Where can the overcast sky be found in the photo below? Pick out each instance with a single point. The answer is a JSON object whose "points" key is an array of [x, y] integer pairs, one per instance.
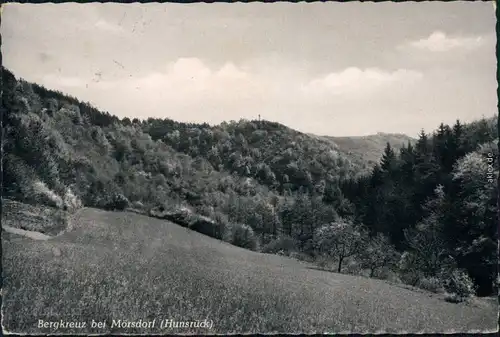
{"points": [[336, 69]]}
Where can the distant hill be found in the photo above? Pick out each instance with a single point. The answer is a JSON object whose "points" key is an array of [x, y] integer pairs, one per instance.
{"points": [[370, 148], [274, 154]]}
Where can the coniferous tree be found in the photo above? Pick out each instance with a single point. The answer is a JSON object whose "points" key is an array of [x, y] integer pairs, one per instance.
{"points": [[388, 162]]}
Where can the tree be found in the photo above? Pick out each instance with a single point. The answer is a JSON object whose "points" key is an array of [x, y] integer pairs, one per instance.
{"points": [[126, 121], [338, 240], [426, 172], [458, 143], [427, 241], [320, 187], [474, 230], [373, 205], [460, 285], [242, 235], [286, 213], [388, 161], [378, 254]]}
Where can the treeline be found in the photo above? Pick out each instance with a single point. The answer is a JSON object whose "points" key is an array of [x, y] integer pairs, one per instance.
{"points": [[263, 186], [274, 155], [437, 199]]}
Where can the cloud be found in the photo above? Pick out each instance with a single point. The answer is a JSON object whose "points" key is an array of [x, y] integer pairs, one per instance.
{"points": [[108, 26], [354, 81], [188, 75], [192, 78], [55, 81], [440, 42], [188, 88], [186, 83]]}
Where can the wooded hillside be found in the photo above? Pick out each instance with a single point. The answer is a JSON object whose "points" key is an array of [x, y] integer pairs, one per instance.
{"points": [[265, 186]]}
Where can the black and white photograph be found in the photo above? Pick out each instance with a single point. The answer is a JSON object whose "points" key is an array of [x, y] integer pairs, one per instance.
{"points": [[249, 168]]}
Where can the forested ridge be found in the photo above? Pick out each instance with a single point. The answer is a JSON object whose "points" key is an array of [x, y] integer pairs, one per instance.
{"points": [[370, 148], [426, 212]]}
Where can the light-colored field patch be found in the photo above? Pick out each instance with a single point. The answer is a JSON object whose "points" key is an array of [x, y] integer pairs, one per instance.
{"points": [[29, 234]]}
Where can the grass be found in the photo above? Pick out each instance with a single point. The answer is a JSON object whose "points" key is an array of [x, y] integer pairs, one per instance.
{"points": [[127, 266], [43, 219]]}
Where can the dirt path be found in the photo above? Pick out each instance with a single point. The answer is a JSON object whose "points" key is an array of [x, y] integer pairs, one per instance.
{"points": [[29, 234]]}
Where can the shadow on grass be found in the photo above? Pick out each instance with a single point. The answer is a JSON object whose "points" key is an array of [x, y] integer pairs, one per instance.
{"points": [[399, 285], [323, 269]]}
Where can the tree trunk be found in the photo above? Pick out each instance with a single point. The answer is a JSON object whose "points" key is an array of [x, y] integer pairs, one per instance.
{"points": [[340, 265]]}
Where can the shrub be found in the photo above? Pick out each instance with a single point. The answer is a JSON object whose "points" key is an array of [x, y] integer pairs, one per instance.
{"points": [[353, 267], [71, 201], [266, 238], [180, 215], [222, 224], [409, 269], [46, 195], [459, 285], [389, 275], [496, 283], [284, 243], [118, 202], [432, 284], [452, 298], [138, 205], [205, 210], [206, 226], [324, 262], [300, 256], [185, 217], [242, 235], [221, 218]]}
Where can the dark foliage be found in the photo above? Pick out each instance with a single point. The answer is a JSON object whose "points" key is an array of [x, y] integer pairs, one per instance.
{"points": [[442, 191]]}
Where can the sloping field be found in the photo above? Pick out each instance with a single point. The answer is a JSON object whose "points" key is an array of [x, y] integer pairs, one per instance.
{"points": [[113, 266]]}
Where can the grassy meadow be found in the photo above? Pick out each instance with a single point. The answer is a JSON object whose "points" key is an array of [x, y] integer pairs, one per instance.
{"points": [[121, 265]]}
